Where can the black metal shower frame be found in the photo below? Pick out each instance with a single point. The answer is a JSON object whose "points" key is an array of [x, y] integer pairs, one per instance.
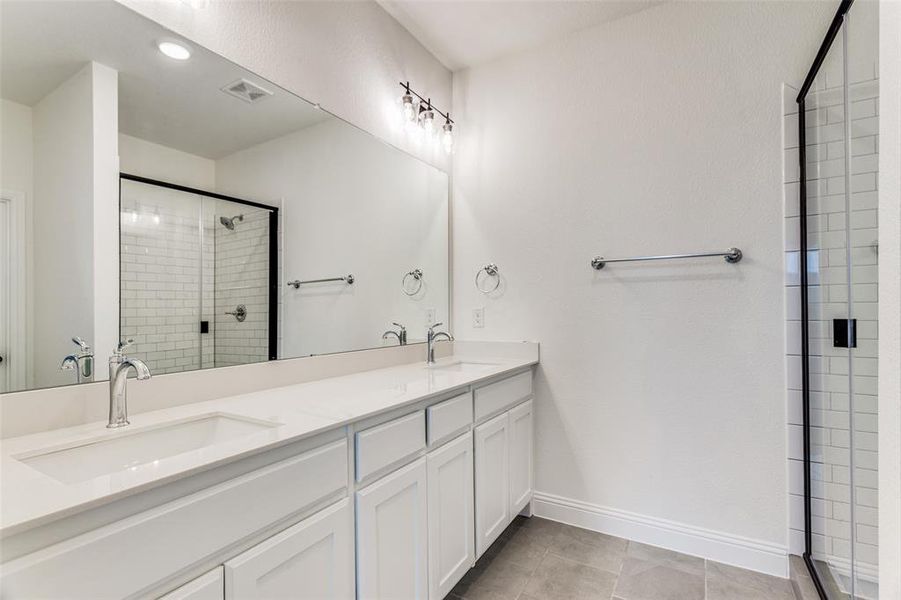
{"points": [[273, 244], [834, 28]]}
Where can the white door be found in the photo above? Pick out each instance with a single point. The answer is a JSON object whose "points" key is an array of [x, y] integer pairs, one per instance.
{"points": [[520, 457], [392, 536], [210, 586], [309, 561], [451, 525], [492, 480], [13, 370], [4, 295]]}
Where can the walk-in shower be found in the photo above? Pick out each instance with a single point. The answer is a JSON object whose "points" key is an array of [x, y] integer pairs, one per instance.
{"points": [[198, 276], [838, 143]]}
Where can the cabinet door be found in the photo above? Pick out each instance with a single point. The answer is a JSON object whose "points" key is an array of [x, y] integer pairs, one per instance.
{"points": [[520, 456], [311, 560], [392, 536], [492, 480], [210, 586], [451, 526]]}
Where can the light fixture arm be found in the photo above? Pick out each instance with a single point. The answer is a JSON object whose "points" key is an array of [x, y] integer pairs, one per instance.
{"points": [[428, 101]]}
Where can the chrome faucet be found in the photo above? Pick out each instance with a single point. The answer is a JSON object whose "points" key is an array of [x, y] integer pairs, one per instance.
{"points": [[82, 362], [431, 338], [119, 365], [400, 335]]}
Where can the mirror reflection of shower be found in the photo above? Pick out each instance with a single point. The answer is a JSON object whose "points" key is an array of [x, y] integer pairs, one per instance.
{"points": [[229, 222]]}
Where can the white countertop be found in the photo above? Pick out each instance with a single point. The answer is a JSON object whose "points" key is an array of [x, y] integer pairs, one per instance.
{"points": [[29, 498]]}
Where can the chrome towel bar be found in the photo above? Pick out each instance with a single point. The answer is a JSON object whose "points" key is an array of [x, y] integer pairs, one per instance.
{"points": [[731, 255], [348, 279]]}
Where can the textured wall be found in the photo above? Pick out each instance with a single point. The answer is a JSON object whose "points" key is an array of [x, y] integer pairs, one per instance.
{"points": [[661, 386]]}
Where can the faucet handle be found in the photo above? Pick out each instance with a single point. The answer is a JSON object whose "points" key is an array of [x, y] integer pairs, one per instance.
{"points": [[395, 323], [85, 347], [121, 346]]}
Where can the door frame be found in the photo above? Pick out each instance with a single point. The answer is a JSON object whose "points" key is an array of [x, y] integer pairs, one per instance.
{"points": [[835, 27], [16, 291]]}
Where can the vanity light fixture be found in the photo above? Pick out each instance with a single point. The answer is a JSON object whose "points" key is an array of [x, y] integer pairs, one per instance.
{"points": [[418, 110], [174, 50]]}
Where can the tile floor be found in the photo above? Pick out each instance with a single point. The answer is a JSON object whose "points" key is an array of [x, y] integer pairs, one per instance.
{"points": [[537, 559]]}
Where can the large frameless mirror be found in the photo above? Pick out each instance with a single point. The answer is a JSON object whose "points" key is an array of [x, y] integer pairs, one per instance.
{"points": [[154, 191]]}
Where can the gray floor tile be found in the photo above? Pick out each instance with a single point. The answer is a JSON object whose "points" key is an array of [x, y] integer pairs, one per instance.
{"points": [[517, 550], [535, 530], [801, 580], [725, 582], [493, 578], [666, 579], [589, 548], [668, 558], [560, 579]]}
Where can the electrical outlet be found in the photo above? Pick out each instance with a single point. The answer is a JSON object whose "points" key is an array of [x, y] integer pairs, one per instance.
{"points": [[431, 316], [478, 317]]}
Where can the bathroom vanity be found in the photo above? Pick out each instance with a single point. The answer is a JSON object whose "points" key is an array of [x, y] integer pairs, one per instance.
{"points": [[382, 484]]}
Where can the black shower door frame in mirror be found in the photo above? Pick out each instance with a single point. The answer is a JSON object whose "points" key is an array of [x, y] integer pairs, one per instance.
{"points": [[271, 249], [838, 256]]}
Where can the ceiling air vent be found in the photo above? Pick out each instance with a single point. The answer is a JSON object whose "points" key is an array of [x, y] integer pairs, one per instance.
{"points": [[246, 91]]}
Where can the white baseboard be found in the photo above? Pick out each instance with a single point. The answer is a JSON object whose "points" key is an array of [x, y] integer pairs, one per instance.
{"points": [[747, 553]]}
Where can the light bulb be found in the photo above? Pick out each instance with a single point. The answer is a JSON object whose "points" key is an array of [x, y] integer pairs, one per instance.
{"points": [[447, 138], [427, 119], [409, 109]]}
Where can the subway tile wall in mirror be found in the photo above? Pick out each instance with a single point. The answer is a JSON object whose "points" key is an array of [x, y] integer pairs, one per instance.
{"points": [[173, 199]]}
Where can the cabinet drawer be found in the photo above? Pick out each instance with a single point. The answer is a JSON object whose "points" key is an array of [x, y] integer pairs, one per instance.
{"points": [[123, 558], [379, 446], [496, 397], [449, 417]]}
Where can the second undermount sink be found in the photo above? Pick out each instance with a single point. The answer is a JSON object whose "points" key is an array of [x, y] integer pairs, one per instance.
{"points": [[461, 366], [131, 450]]}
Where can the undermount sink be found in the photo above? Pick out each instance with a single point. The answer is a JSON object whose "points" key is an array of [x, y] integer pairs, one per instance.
{"points": [[129, 451], [460, 366]]}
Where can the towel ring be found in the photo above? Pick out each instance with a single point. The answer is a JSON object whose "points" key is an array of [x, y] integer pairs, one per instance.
{"points": [[490, 271], [416, 274]]}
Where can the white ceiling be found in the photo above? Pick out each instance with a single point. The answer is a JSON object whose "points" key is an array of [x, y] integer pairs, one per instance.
{"points": [[176, 104], [465, 33]]}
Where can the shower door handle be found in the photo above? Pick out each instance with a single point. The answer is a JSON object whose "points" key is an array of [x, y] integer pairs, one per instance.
{"points": [[240, 313]]}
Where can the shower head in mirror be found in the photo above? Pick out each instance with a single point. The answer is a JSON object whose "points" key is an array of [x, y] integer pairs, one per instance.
{"points": [[229, 222]]}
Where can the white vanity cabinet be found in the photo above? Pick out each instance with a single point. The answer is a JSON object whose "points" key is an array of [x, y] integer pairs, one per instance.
{"points": [[392, 536], [492, 477], [520, 423], [308, 561], [395, 506], [210, 586], [451, 516], [503, 455]]}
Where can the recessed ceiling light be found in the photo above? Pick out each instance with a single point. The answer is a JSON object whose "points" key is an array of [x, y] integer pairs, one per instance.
{"points": [[174, 50]]}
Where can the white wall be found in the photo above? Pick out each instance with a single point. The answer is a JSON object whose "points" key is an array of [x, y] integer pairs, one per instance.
{"points": [[890, 300], [347, 56], [349, 204], [146, 159], [17, 175], [75, 195], [660, 391]]}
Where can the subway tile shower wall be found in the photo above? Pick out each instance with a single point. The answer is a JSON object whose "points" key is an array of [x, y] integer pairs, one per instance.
{"points": [[162, 272], [179, 267], [242, 277], [831, 417]]}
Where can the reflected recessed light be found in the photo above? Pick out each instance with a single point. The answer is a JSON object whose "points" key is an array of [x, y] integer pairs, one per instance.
{"points": [[174, 50]]}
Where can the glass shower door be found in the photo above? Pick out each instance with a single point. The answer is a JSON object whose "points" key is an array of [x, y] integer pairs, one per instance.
{"points": [[839, 233], [197, 277]]}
